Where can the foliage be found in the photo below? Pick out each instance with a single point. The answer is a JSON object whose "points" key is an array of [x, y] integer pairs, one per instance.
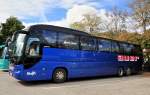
{"points": [[11, 25], [146, 39], [78, 26], [117, 20], [141, 12]]}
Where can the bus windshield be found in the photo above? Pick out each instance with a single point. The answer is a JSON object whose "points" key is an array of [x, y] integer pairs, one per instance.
{"points": [[19, 44], [5, 53]]}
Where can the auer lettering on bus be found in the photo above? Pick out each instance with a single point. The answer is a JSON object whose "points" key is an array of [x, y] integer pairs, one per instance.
{"points": [[127, 58]]}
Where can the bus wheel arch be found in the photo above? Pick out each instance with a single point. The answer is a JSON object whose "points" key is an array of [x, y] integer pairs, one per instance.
{"points": [[60, 75]]}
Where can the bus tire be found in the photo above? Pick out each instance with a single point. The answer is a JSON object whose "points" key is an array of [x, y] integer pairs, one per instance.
{"points": [[128, 71], [59, 75], [120, 72]]}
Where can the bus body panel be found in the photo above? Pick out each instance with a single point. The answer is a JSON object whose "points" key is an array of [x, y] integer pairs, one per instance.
{"points": [[78, 64], [94, 56]]}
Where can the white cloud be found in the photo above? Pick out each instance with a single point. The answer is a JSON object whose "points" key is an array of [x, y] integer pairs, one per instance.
{"points": [[70, 3], [34, 7], [73, 14], [23, 8], [62, 23], [77, 12], [28, 9]]}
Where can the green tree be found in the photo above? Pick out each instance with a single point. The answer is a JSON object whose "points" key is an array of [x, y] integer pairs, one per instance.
{"points": [[146, 39], [132, 37], [11, 25], [78, 26], [146, 44]]}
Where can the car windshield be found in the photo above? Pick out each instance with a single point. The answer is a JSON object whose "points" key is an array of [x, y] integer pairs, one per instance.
{"points": [[19, 44]]}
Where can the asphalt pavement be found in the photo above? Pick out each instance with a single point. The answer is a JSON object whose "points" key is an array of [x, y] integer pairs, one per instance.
{"points": [[128, 85]]}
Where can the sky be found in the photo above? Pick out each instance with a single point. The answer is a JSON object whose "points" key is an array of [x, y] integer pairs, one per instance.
{"points": [[56, 12]]}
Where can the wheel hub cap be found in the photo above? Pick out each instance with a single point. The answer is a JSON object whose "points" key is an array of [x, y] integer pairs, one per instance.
{"points": [[59, 75]]}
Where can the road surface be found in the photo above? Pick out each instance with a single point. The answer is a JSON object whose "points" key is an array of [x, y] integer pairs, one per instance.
{"points": [[131, 85]]}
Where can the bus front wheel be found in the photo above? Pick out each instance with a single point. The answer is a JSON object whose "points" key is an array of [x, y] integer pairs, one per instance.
{"points": [[120, 72], [59, 75]]}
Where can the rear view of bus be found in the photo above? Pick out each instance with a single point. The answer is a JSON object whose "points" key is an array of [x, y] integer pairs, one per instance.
{"points": [[45, 52]]}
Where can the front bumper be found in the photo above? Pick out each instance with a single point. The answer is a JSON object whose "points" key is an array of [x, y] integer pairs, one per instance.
{"points": [[16, 71], [32, 74]]}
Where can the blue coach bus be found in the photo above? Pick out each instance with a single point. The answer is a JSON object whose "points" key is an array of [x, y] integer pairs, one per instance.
{"points": [[46, 52]]}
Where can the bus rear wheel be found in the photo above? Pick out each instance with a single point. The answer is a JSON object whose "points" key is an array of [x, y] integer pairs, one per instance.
{"points": [[120, 72], [128, 71], [59, 75]]}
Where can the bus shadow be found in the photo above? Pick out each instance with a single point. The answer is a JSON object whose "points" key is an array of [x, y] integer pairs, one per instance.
{"points": [[35, 83], [102, 78], [92, 78], [75, 80]]}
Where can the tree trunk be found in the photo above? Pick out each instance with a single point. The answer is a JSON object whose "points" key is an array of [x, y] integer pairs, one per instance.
{"points": [[144, 26]]}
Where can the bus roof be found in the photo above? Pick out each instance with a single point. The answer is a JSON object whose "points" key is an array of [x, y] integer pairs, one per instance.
{"points": [[57, 28], [67, 30]]}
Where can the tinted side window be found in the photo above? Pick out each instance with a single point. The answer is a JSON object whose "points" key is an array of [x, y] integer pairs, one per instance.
{"points": [[115, 46], [126, 48], [88, 43], [69, 41], [121, 49], [129, 49], [104, 45], [50, 37], [136, 50]]}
